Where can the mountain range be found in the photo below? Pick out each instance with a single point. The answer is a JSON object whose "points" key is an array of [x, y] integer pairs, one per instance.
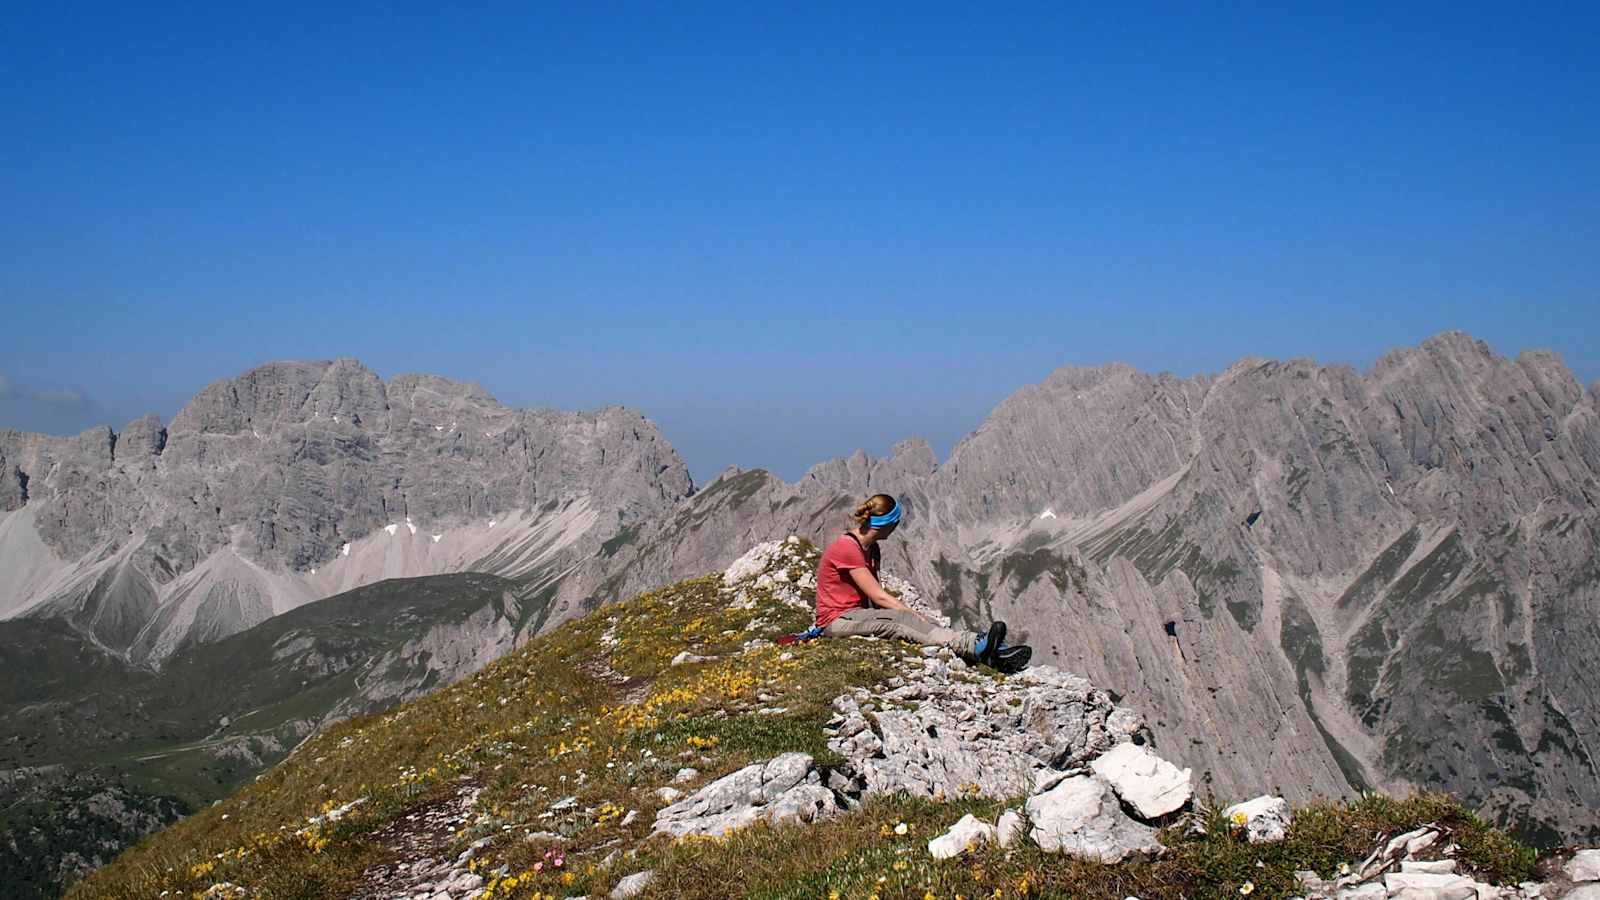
{"points": [[297, 481], [1384, 578]]}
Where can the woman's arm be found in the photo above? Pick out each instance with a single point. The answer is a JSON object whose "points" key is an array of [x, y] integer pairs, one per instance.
{"points": [[868, 583]]}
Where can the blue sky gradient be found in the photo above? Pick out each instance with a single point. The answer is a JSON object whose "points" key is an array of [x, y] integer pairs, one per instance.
{"points": [[781, 238]]}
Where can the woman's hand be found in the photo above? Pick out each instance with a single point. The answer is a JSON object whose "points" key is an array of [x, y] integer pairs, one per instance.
{"points": [[868, 584]]}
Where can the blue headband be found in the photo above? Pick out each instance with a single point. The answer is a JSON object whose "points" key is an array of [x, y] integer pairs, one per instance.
{"points": [[888, 518]]}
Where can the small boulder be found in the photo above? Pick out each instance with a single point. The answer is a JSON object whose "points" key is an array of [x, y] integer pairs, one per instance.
{"points": [[633, 885], [1081, 816], [1430, 885], [1584, 866], [1145, 781], [1009, 830], [1264, 819], [962, 836]]}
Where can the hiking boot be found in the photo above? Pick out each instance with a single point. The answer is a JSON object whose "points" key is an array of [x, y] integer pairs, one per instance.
{"points": [[1011, 660], [992, 642]]}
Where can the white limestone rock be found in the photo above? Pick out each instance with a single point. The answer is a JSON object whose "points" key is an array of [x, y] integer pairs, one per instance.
{"points": [[780, 790], [1412, 842], [633, 885], [1430, 886], [1265, 818], [966, 834], [1081, 816], [1045, 779], [1145, 781], [940, 735], [1431, 867], [1010, 829], [1584, 866]]}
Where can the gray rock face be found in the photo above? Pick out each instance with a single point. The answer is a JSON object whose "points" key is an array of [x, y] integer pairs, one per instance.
{"points": [[1383, 578], [1081, 816], [297, 481], [939, 735], [784, 789]]}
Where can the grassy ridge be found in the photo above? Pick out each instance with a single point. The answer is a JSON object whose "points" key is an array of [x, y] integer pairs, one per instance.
{"points": [[580, 726]]}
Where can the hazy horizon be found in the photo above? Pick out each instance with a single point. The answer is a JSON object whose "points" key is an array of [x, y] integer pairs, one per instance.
{"points": [[70, 403]]}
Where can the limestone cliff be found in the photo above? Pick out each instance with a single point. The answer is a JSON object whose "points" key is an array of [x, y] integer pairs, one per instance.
{"points": [[297, 481], [1382, 577]]}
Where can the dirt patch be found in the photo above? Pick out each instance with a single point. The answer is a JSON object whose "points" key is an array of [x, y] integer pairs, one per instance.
{"points": [[419, 849], [630, 689]]}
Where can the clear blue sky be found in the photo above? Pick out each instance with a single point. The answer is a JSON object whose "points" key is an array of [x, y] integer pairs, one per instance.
{"points": [[780, 237]]}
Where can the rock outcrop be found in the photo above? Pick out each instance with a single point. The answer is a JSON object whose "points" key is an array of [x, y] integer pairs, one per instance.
{"points": [[938, 734], [1036, 735], [1420, 865], [787, 788]]}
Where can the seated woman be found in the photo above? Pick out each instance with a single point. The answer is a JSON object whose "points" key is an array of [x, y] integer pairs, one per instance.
{"points": [[851, 601]]}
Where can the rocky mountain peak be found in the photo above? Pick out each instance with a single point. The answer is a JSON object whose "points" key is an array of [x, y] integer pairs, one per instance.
{"points": [[296, 480], [1333, 557]]}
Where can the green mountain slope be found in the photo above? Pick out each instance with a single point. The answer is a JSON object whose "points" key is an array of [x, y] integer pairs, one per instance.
{"points": [[541, 776], [95, 752]]}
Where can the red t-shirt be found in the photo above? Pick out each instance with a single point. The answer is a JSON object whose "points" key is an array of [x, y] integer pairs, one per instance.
{"points": [[836, 593]]}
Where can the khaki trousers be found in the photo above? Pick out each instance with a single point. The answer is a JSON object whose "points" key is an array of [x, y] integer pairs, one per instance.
{"points": [[903, 624]]}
